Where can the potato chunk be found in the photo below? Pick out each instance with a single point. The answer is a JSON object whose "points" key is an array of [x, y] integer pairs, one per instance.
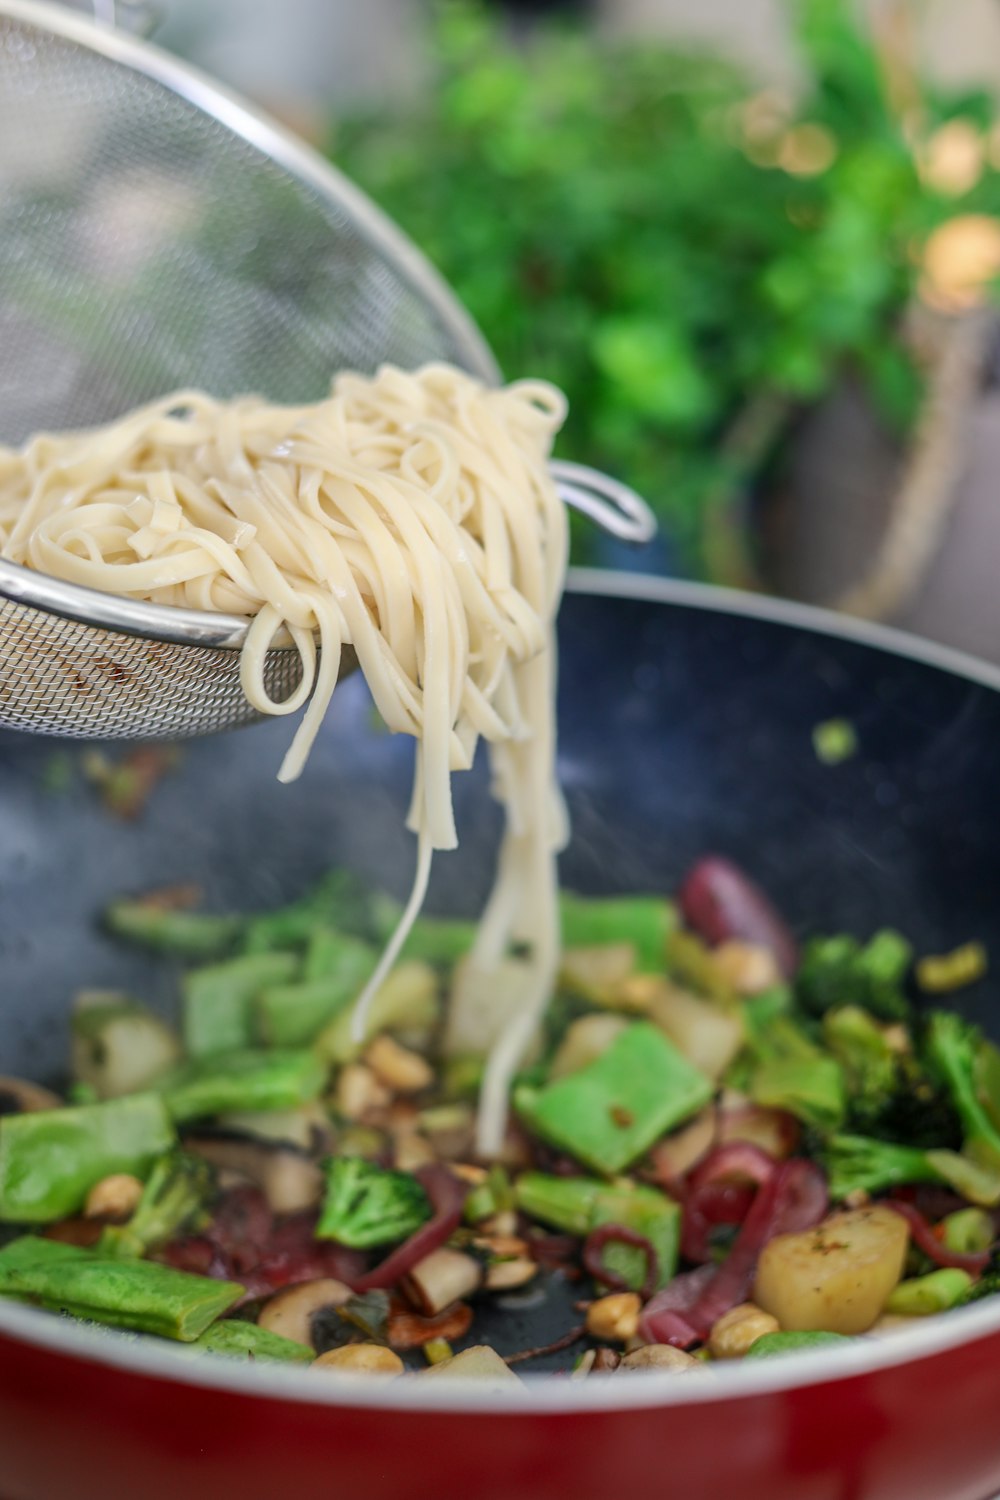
{"points": [[837, 1276]]}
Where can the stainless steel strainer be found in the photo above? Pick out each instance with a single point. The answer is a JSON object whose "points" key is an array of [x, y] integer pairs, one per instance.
{"points": [[156, 233]]}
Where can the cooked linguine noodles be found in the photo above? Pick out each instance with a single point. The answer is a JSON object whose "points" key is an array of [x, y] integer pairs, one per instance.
{"points": [[411, 517]]}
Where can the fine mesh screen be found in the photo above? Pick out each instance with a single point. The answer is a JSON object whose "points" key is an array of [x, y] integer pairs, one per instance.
{"points": [[145, 245]]}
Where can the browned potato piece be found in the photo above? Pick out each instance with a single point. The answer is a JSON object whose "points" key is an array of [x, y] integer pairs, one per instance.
{"points": [[836, 1277]]}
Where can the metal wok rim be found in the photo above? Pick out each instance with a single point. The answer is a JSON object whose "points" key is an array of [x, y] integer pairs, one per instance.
{"points": [[541, 1394]]}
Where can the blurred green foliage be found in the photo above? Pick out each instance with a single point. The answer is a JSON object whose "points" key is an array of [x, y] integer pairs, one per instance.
{"points": [[689, 259]]}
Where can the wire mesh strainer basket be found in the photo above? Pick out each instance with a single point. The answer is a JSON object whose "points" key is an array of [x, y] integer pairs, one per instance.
{"points": [[155, 234]]}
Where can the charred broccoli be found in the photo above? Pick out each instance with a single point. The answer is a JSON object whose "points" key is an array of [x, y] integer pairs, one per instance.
{"points": [[837, 971], [368, 1205], [890, 1095]]}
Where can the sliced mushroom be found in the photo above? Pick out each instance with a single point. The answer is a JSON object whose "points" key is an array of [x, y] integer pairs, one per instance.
{"points": [[288, 1178], [441, 1278], [291, 1313], [19, 1097]]}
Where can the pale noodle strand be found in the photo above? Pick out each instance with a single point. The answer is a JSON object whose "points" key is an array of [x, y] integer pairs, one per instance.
{"points": [[411, 518]]}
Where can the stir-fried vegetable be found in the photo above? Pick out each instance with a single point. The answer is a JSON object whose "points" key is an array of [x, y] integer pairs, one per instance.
{"points": [[293, 1015], [218, 1000], [179, 1189], [236, 1339], [953, 1048], [241, 1080], [367, 1206], [51, 1159], [858, 1164], [717, 1150], [841, 971], [185, 934], [581, 1205], [119, 1047], [611, 1111], [126, 1294]]}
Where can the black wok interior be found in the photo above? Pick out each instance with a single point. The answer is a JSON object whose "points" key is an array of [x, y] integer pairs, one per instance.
{"points": [[682, 730]]}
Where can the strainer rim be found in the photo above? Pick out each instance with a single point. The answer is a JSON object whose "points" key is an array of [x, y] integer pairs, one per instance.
{"points": [[138, 617]]}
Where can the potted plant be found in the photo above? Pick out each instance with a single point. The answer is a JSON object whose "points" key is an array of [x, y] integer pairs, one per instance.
{"points": [[701, 265]]}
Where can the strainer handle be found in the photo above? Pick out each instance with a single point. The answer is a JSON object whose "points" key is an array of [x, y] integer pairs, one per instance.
{"points": [[611, 505]]}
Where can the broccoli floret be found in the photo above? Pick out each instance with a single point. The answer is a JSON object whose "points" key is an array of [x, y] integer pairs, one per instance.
{"points": [[890, 1095], [952, 1048], [860, 1045], [856, 1162], [178, 1190], [989, 1282], [913, 1110], [368, 1205], [837, 971]]}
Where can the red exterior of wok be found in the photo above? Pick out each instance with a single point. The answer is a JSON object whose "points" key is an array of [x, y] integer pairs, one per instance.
{"points": [[73, 1430]]}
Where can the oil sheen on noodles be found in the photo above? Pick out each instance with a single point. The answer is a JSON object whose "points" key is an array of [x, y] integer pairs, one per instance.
{"points": [[411, 516]]}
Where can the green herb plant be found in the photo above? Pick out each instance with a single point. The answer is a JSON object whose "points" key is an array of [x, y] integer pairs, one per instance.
{"points": [[692, 260]]}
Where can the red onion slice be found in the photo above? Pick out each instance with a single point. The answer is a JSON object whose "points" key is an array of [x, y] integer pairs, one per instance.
{"points": [[714, 1204], [795, 1198], [664, 1318], [719, 902], [735, 1160], [926, 1239], [618, 1234]]}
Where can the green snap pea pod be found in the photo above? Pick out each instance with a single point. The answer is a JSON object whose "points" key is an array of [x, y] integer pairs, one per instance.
{"points": [[293, 1015], [245, 1080], [644, 921], [812, 1089], [440, 941], [611, 1111], [968, 1230], [137, 1294], [790, 1343], [407, 999], [186, 934], [217, 1000], [49, 1160], [239, 1340], [31, 1250], [579, 1204], [337, 901], [330, 953], [936, 1292]]}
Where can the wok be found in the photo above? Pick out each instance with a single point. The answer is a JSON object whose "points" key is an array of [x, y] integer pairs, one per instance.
{"points": [[686, 719]]}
